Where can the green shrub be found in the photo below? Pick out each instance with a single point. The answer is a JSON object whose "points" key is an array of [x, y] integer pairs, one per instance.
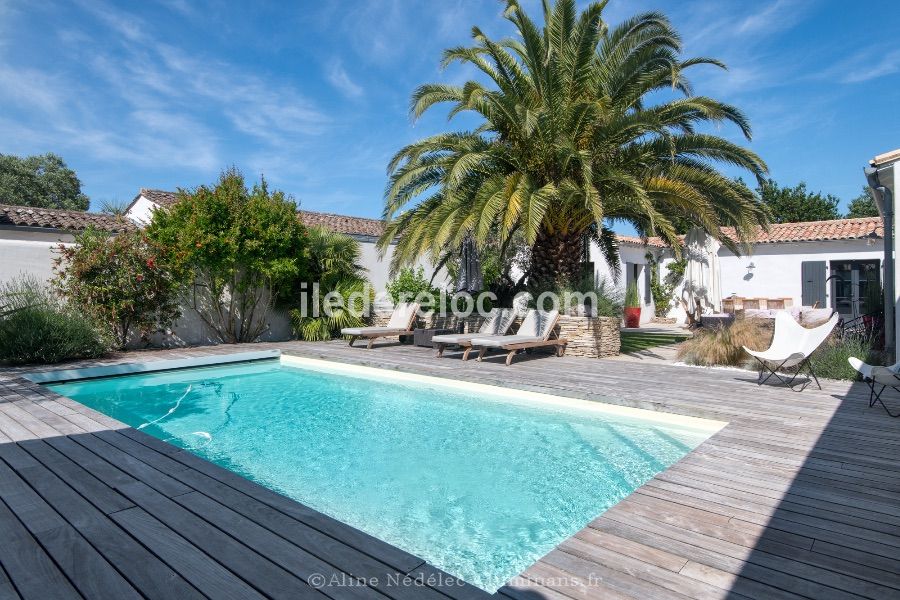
{"points": [[723, 346], [632, 297], [830, 360], [601, 299], [35, 327], [409, 285], [334, 266]]}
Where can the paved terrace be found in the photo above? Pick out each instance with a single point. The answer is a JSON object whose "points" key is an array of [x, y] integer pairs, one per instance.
{"points": [[798, 497]]}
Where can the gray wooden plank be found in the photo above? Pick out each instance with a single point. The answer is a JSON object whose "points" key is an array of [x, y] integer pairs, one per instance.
{"points": [[811, 483], [447, 584], [7, 589], [254, 568], [158, 461], [99, 494], [301, 563], [99, 468], [382, 551], [31, 570], [347, 558], [148, 574], [85, 568], [12, 430], [134, 467], [200, 570]]}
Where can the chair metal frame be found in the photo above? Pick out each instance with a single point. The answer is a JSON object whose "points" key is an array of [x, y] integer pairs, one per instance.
{"points": [[875, 397], [788, 382]]}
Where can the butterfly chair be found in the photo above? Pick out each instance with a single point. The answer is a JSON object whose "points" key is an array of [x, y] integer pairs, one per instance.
{"points": [[791, 346], [886, 377]]}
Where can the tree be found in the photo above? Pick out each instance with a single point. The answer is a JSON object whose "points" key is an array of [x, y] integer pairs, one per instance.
{"points": [[237, 250], [795, 204], [123, 281], [577, 130], [42, 181], [862, 206], [115, 208], [334, 265]]}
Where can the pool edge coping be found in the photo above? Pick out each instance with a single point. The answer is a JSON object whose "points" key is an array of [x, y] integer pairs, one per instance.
{"points": [[133, 368], [706, 425]]}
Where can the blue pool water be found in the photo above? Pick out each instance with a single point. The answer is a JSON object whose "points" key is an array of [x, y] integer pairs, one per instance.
{"points": [[480, 487]]}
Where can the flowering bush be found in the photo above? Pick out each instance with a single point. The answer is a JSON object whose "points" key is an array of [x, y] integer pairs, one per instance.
{"points": [[237, 250], [121, 280]]}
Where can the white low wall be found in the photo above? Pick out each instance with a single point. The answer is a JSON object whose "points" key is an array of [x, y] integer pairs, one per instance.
{"points": [[28, 252], [32, 252]]}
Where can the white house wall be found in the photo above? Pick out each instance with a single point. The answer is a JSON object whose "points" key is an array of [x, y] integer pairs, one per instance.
{"points": [[777, 268], [141, 212], [32, 252], [628, 254], [777, 272]]}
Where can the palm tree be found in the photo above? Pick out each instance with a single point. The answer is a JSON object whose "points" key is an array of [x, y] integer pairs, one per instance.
{"points": [[334, 264], [570, 142]]}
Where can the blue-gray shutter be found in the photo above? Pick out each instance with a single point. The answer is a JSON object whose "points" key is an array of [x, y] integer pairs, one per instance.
{"points": [[648, 296], [813, 289]]}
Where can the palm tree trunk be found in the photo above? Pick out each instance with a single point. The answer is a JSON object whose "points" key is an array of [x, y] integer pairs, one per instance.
{"points": [[556, 260]]}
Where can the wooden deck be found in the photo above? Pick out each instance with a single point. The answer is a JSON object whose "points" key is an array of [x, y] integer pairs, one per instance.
{"points": [[798, 497]]}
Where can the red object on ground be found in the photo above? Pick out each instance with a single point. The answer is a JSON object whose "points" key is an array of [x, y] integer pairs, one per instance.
{"points": [[633, 317]]}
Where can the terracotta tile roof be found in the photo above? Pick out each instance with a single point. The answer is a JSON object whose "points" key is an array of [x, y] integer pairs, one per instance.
{"points": [[809, 231], [815, 231], [893, 155], [342, 223], [631, 240], [55, 218], [159, 197], [339, 223]]}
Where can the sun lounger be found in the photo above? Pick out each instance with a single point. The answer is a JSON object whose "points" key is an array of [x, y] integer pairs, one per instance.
{"points": [[886, 377], [497, 323], [791, 346], [401, 323], [537, 331]]}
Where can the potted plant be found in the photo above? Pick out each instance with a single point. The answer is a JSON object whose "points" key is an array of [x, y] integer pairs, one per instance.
{"points": [[632, 306]]}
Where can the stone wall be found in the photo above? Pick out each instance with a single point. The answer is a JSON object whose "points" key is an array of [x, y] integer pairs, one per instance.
{"points": [[591, 337]]}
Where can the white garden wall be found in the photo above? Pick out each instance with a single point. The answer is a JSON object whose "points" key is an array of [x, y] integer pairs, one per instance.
{"points": [[29, 251], [26, 251]]}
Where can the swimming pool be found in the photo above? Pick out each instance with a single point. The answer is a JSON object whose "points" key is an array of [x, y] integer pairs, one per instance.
{"points": [[479, 481]]}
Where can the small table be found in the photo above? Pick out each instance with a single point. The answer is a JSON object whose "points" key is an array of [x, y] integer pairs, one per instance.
{"points": [[422, 337]]}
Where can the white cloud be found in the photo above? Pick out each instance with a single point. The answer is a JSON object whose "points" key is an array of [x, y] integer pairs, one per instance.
{"points": [[866, 66], [777, 16], [339, 78], [142, 101]]}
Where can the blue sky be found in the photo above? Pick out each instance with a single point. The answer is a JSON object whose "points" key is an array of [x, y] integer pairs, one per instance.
{"points": [[314, 94]]}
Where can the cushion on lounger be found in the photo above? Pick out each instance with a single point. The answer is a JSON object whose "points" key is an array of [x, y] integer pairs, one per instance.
{"points": [[402, 315], [503, 340]]}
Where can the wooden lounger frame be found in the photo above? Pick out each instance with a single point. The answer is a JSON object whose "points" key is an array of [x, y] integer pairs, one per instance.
{"points": [[374, 336], [514, 347], [388, 333], [467, 344]]}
